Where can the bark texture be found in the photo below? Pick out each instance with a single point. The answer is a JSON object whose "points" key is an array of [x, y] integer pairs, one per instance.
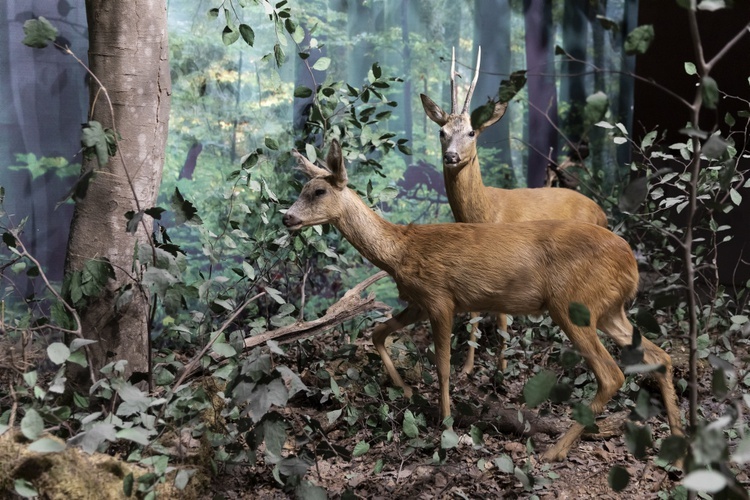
{"points": [[128, 52]]}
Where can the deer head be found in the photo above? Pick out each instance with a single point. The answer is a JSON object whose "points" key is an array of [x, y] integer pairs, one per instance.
{"points": [[458, 136], [322, 198]]}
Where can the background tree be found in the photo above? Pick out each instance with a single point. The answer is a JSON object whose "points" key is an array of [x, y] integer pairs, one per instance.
{"points": [[130, 59]]}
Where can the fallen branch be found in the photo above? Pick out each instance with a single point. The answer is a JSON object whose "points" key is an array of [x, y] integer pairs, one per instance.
{"points": [[351, 305]]}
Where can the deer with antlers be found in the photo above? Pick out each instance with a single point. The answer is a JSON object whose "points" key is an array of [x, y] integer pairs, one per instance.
{"points": [[472, 201], [526, 267]]}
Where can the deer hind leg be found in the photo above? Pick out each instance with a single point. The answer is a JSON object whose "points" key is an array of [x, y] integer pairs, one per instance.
{"points": [[442, 323], [469, 362], [620, 330], [502, 324], [410, 315], [502, 363], [608, 375]]}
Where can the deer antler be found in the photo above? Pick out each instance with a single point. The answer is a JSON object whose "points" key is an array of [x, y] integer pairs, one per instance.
{"points": [[454, 90], [473, 82]]}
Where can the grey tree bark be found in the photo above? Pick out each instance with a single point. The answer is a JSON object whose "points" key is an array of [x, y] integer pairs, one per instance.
{"points": [[128, 52]]}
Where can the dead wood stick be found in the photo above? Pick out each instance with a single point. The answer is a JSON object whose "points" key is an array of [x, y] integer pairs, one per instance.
{"points": [[351, 305]]}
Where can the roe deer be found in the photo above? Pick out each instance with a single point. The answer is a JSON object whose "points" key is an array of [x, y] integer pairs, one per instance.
{"points": [[523, 268], [472, 201]]}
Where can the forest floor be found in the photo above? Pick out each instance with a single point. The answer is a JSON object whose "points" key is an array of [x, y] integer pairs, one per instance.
{"points": [[506, 465]]}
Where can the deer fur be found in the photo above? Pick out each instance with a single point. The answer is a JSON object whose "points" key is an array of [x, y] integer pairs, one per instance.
{"points": [[445, 269], [472, 201]]}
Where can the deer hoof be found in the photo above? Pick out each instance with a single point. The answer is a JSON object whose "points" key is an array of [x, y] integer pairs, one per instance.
{"points": [[555, 455], [408, 392]]}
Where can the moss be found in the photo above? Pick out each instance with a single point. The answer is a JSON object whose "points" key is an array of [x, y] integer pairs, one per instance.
{"points": [[75, 474]]}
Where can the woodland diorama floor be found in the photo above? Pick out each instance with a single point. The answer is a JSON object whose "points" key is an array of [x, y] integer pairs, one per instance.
{"points": [[467, 471]]}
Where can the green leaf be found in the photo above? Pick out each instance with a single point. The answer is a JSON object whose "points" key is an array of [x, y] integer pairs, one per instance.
{"points": [[639, 40], [710, 92], [538, 388], [322, 64], [410, 425], [509, 88], [376, 71], [712, 5], [128, 481], [184, 211], [308, 491], [596, 108], [449, 439], [182, 478], [302, 91], [58, 353], [583, 415], [294, 466], [708, 481], [579, 314], [136, 434], [271, 144], [229, 36], [360, 449], [96, 141], [39, 33], [32, 425], [247, 33], [633, 195], [637, 439], [78, 343], [25, 488], [690, 69], [505, 464], [224, 350], [46, 445], [278, 54], [618, 478], [736, 196], [482, 114], [673, 448]]}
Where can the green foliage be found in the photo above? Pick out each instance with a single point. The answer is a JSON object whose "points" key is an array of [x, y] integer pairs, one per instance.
{"points": [[98, 142], [38, 33], [639, 40]]}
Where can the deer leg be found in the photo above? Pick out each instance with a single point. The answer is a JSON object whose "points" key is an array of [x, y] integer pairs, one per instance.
{"points": [[608, 375], [469, 362], [502, 363], [621, 331], [502, 324], [410, 315], [441, 323]]}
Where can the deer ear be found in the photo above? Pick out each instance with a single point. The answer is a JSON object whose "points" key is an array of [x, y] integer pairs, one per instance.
{"points": [[433, 111], [307, 167], [488, 114], [335, 162]]}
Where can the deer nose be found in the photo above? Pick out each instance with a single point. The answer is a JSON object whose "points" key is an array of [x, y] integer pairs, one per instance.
{"points": [[290, 220], [450, 157]]}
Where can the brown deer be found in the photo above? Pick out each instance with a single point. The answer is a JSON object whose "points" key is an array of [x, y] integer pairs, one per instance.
{"points": [[526, 267], [472, 201]]}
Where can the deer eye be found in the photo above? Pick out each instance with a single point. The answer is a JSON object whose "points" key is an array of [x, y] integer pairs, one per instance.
{"points": [[320, 192], [472, 133], [442, 134]]}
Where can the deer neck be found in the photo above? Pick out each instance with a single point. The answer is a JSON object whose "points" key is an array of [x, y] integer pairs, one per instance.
{"points": [[379, 241], [466, 193]]}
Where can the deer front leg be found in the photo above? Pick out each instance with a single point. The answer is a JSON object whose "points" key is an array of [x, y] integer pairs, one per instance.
{"points": [[410, 315], [502, 324], [442, 322]]}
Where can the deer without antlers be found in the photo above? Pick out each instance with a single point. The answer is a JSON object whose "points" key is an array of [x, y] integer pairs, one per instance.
{"points": [[444, 269], [472, 201]]}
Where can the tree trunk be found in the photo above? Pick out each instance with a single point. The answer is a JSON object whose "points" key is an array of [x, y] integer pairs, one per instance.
{"points": [[573, 77], [541, 87], [492, 24], [128, 53]]}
